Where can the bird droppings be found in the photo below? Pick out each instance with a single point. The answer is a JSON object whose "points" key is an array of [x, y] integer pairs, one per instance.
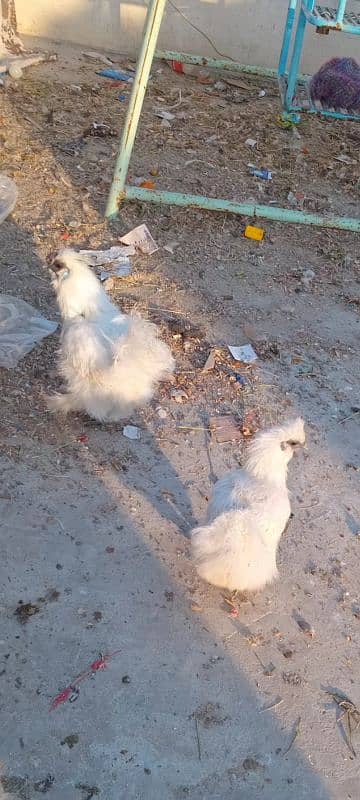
{"points": [[210, 714], [44, 785], [87, 791], [71, 740], [24, 611]]}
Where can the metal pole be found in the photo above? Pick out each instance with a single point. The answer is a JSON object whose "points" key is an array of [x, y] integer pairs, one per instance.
{"points": [[289, 25], [274, 213], [150, 36]]}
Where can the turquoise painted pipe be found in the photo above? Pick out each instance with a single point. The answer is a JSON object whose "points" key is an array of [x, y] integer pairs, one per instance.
{"points": [[274, 213], [215, 63]]}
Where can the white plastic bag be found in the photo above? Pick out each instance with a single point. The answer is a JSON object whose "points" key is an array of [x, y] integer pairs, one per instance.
{"points": [[8, 196], [21, 327]]}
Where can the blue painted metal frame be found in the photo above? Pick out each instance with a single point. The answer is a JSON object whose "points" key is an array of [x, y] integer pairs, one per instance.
{"points": [[292, 46]]}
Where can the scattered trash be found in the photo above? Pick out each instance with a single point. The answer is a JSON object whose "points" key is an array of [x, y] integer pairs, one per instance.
{"points": [[171, 247], [141, 239], [8, 196], [163, 114], [100, 130], [344, 159], [126, 679], [109, 550], [262, 93], [72, 690], [251, 142], [122, 97], [115, 260], [251, 232], [210, 361], [245, 353], [225, 428], [293, 736], [250, 424], [277, 702], [296, 199], [307, 277], [93, 55], [115, 74], [264, 174], [179, 395], [304, 626], [240, 379], [21, 328], [131, 432], [350, 712], [147, 185], [197, 71], [195, 607], [161, 412]]}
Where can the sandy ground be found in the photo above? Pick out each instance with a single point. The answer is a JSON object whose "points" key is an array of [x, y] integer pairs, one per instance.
{"points": [[199, 702]]}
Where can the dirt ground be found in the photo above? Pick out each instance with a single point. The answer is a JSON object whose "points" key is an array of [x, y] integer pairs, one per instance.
{"points": [[202, 701]]}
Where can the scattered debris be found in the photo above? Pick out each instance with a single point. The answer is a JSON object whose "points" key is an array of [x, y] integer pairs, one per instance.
{"points": [[72, 691], [126, 679], [21, 328], [195, 607], [304, 626], [131, 432], [251, 232], [100, 130], [197, 738], [264, 174], [277, 702], [115, 74], [293, 736], [115, 260], [171, 247], [210, 361], [269, 668], [225, 428], [245, 353], [350, 712], [251, 142], [8, 196], [179, 395], [93, 55], [163, 114], [141, 239], [44, 785], [307, 278]]}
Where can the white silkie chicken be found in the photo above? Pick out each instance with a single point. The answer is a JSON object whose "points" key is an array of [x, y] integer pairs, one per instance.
{"points": [[111, 362], [247, 513]]}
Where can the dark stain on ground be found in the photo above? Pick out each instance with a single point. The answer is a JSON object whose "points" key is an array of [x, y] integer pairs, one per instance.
{"points": [[24, 611], [70, 740], [88, 791], [210, 714], [20, 787]]}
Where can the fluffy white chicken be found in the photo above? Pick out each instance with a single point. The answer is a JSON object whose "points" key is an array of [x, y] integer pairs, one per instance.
{"points": [[247, 514], [111, 362]]}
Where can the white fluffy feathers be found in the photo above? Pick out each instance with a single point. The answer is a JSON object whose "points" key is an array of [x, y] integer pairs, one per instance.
{"points": [[247, 514], [111, 362]]}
